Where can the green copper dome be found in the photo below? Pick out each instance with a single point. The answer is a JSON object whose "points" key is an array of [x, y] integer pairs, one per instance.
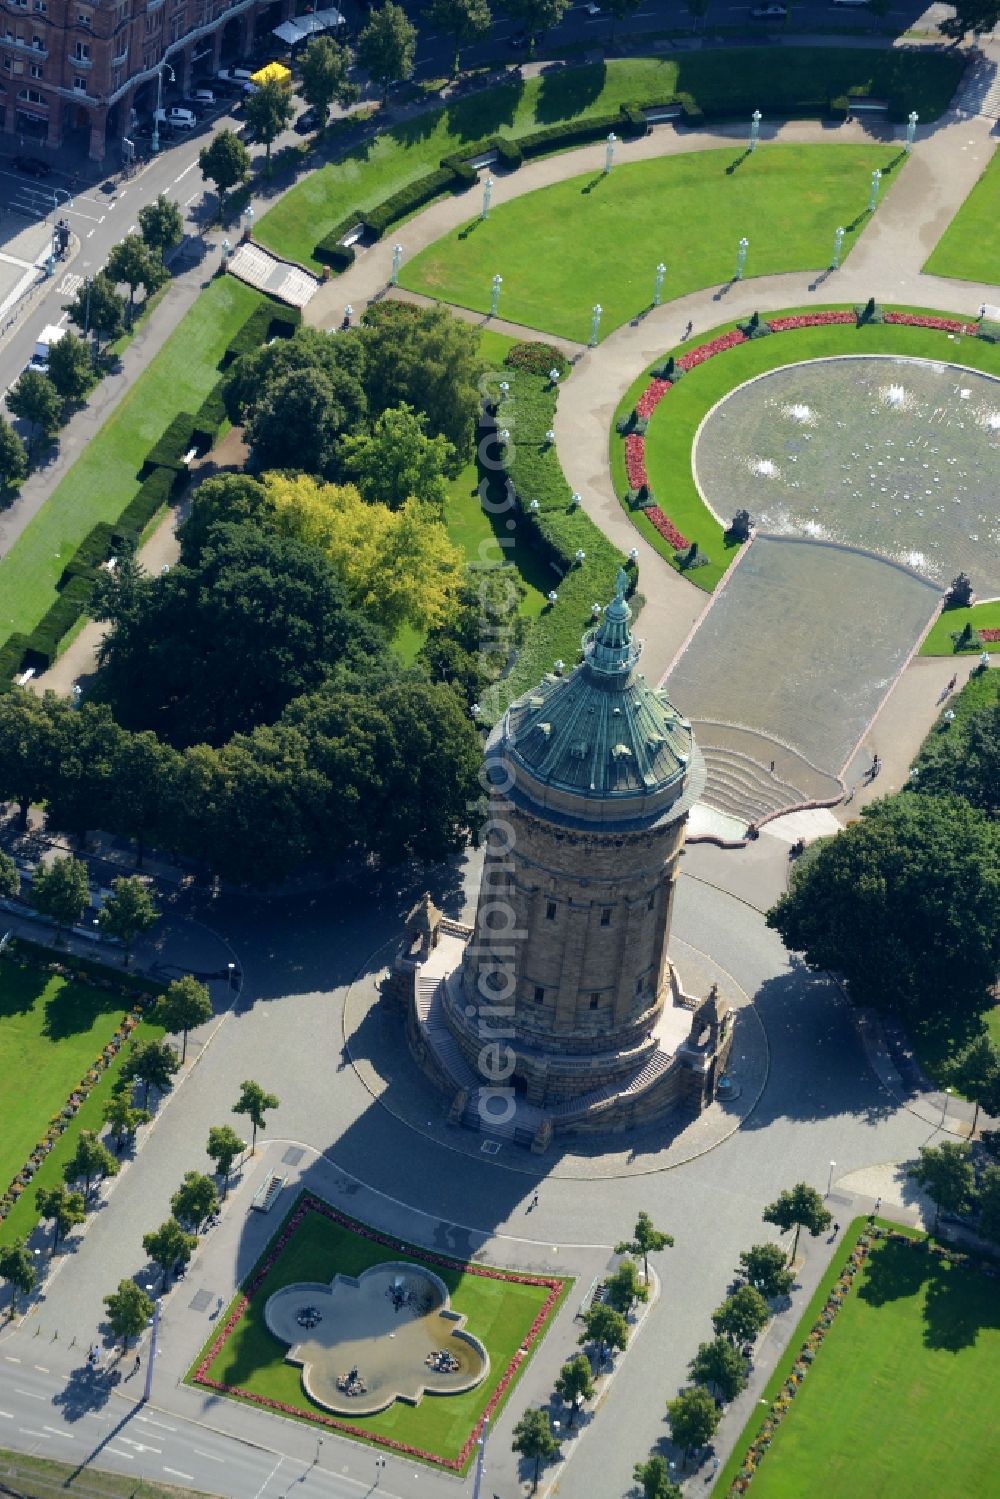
{"points": [[602, 731]]}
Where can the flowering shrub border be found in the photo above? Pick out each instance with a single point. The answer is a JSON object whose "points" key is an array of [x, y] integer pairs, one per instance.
{"points": [[22, 956], [635, 442], [989, 637], [308, 1204]]}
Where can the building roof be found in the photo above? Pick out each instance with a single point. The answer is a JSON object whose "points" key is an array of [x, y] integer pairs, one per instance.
{"points": [[602, 731]]}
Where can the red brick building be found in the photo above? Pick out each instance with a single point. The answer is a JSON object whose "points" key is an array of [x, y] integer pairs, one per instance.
{"points": [[85, 65]]}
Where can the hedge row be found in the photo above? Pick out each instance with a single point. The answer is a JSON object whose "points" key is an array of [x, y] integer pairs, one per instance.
{"points": [[456, 175], [162, 470]]}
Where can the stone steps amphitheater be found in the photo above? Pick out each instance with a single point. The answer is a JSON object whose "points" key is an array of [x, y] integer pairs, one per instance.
{"points": [[741, 783]]}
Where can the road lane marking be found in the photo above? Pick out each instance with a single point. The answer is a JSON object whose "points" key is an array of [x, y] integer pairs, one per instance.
{"points": [[10, 1359], [41, 1367], [184, 173], [90, 233], [188, 1477], [150, 1422], [190, 200], [57, 1433], [141, 1446], [119, 1453], [267, 1480], [31, 1394], [8, 1417], [26, 1431], [200, 1451]]}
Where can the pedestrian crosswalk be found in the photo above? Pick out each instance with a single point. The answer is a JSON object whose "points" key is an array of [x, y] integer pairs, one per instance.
{"points": [[70, 284]]}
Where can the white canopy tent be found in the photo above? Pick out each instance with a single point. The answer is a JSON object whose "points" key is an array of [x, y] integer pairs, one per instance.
{"points": [[304, 27]]}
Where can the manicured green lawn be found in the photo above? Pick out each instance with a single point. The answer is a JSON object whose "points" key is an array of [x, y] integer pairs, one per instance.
{"points": [[726, 83], [671, 433], [598, 238], [901, 1397], [52, 1030], [981, 616], [968, 248], [477, 533], [103, 479], [498, 1312]]}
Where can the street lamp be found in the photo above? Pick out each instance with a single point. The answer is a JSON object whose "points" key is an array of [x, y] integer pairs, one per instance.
{"points": [[873, 195], [487, 197], [829, 1183], [151, 1358], [154, 144], [248, 217], [379, 1469], [609, 155], [741, 257], [755, 120], [911, 128], [495, 296], [838, 245], [397, 261], [595, 324], [661, 271]]}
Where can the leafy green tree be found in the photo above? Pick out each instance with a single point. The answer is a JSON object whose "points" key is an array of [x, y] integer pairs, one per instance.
{"points": [[195, 1199], [17, 1268], [133, 264], [387, 46], [61, 890], [428, 360], [91, 1159], [947, 1176], [324, 67], [720, 1367], [168, 1246], [269, 111], [977, 1073], [142, 771], [533, 1439], [604, 1328], [186, 1004], [536, 16], [224, 161], [653, 1477], [905, 904], [13, 457], [625, 1287], [36, 401], [764, 1268], [397, 461], [30, 746], [128, 911], [645, 1240], [10, 878], [575, 1383], [65, 1209], [224, 1145], [341, 357], [70, 368], [978, 16], [255, 1102], [464, 21], [161, 225], [123, 1117], [962, 758], [741, 1316], [802, 1207], [98, 310], [153, 1064], [227, 498], [298, 423], [989, 1204], [87, 746], [692, 1418], [129, 1311]]}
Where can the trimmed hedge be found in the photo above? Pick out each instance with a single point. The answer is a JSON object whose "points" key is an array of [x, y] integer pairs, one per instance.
{"points": [[210, 415], [339, 258], [43, 642], [151, 496], [12, 654], [94, 549], [265, 322], [378, 219], [169, 450]]}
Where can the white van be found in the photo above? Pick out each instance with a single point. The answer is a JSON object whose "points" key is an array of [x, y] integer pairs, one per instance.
{"points": [[182, 119]]}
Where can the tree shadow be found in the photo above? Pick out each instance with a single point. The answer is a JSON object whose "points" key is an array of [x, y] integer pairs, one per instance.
{"points": [[470, 228], [86, 1390], [735, 165], [479, 116], [75, 1008], [21, 989], [961, 1302], [565, 92]]}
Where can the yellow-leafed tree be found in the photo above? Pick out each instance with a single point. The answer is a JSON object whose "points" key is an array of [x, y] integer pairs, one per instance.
{"points": [[397, 565]]}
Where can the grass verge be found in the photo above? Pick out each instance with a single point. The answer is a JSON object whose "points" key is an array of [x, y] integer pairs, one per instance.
{"points": [[597, 238], [500, 1312], [938, 641], [29, 1477], [968, 248]]}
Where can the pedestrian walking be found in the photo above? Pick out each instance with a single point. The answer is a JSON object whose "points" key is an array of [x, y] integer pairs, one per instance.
{"points": [[878, 1204], [534, 1200], [951, 684], [137, 1365]]}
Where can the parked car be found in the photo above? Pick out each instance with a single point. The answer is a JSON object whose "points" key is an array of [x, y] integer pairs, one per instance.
{"points": [[203, 96], [31, 166], [307, 122], [769, 12], [177, 116]]}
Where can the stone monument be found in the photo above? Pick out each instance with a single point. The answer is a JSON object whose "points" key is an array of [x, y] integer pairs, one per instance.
{"points": [[559, 1010]]}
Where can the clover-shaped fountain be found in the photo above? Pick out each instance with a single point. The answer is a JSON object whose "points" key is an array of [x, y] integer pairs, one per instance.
{"points": [[388, 1335]]}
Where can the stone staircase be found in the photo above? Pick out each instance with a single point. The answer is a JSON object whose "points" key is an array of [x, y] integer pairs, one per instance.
{"points": [[283, 279], [742, 784], [979, 91]]}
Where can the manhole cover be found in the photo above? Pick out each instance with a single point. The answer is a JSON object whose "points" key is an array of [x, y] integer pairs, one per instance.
{"points": [[490, 1147], [292, 1156], [201, 1301]]}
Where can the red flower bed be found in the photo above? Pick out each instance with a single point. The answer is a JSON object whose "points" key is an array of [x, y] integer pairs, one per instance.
{"points": [[707, 351], [666, 528], [990, 636], [651, 397], [809, 320], [314, 1205], [923, 320], [635, 461]]}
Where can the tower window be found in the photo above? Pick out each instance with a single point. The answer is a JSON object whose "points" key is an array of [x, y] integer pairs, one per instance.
{"points": [[651, 902], [550, 911], [606, 916], [539, 994], [595, 1000], [640, 985]]}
